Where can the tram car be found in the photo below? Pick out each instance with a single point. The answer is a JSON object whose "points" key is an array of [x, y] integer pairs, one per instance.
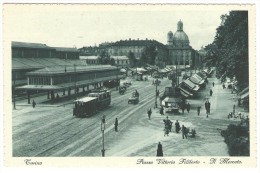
{"points": [[95, 101]]}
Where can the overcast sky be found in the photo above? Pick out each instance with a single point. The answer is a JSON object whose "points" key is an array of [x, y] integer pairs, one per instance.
{"points": [[69, 27]]}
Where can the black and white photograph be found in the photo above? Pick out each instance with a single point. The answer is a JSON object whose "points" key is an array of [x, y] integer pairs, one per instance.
{"points": [[130, 81]]}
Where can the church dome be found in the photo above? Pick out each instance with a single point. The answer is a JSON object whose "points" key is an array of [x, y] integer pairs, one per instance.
{"points": [[170, 33], [169, 36], [180, 36]]}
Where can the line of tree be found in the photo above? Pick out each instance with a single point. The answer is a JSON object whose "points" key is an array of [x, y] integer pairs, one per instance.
{"points": [[148, 55], [104, 58], [229, 50]]}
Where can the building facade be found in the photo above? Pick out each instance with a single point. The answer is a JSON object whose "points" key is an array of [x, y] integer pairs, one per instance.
{"points": [[67, 53], [122, 61], [180, 51], [32, 50], [123, 48]]}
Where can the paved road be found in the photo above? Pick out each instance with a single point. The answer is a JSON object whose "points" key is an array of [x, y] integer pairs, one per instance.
{"points": [[53, 131]]}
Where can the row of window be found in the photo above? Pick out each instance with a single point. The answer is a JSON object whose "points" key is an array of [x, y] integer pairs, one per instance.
{"points": [[42, 80], [39, 80]]}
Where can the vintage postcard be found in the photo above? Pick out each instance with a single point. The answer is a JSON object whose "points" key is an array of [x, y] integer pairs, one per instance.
{"points": [[129, 85]]}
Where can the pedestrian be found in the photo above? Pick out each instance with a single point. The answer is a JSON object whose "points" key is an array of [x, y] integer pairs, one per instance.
{"points": [[159, 150], [116, 125], [210, 92], [170, 125], [183, 108], [234, 109], [184, 132], [213, 84], [188, 107], [207, 107], [177, 126], [198, 110], [149, 112], [161, 111], [33, 104], [224, 86]]}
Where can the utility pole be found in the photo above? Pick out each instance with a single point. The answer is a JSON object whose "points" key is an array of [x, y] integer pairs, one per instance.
{"points": [[156, 84], [75, 78], [117, 83], [103, 122]]}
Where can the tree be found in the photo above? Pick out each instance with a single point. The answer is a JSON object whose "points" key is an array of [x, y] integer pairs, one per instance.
{"points": [[148, 55], [104, 58], [132, 59], [229, 50]]}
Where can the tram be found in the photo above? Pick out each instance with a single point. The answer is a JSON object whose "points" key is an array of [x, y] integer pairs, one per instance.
{"points": [[95, 101]]}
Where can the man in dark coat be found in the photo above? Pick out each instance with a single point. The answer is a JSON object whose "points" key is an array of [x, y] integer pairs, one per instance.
{"points": [[188, 107], [207, 107], [149, 112], [198, 110], [159, 150], [177, 126], [213, 84], [184, 132], [161, 111], [33, 104], [116, 124], [210, 92]]}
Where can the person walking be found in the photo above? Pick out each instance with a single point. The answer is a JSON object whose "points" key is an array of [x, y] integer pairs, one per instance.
{"points": [[213, 84], [188, 107], [177, 126], [182, 108], [198, 110], [207, 107], [159, 150], [210, 92], [33, 104], [184, 132], [149, 112], [116, 125], [224, 86], [161, 111]]}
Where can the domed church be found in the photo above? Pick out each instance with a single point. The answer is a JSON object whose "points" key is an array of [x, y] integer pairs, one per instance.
{"points": [[180, 51]]}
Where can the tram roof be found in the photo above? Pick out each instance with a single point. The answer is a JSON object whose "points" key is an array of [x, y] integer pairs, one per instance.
{"points": [[85, 99], [71, 69]]}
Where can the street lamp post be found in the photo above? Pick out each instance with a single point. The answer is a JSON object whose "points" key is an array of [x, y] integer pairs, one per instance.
{"points": [[117, 83], [103, 137], [156, 84]]}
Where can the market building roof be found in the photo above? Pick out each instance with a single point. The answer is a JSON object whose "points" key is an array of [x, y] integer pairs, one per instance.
{"points": [[71, 69], [66, 49], [16, 44]]}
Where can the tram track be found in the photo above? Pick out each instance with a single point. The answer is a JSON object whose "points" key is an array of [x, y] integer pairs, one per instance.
{"points": [[53, 139]]}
